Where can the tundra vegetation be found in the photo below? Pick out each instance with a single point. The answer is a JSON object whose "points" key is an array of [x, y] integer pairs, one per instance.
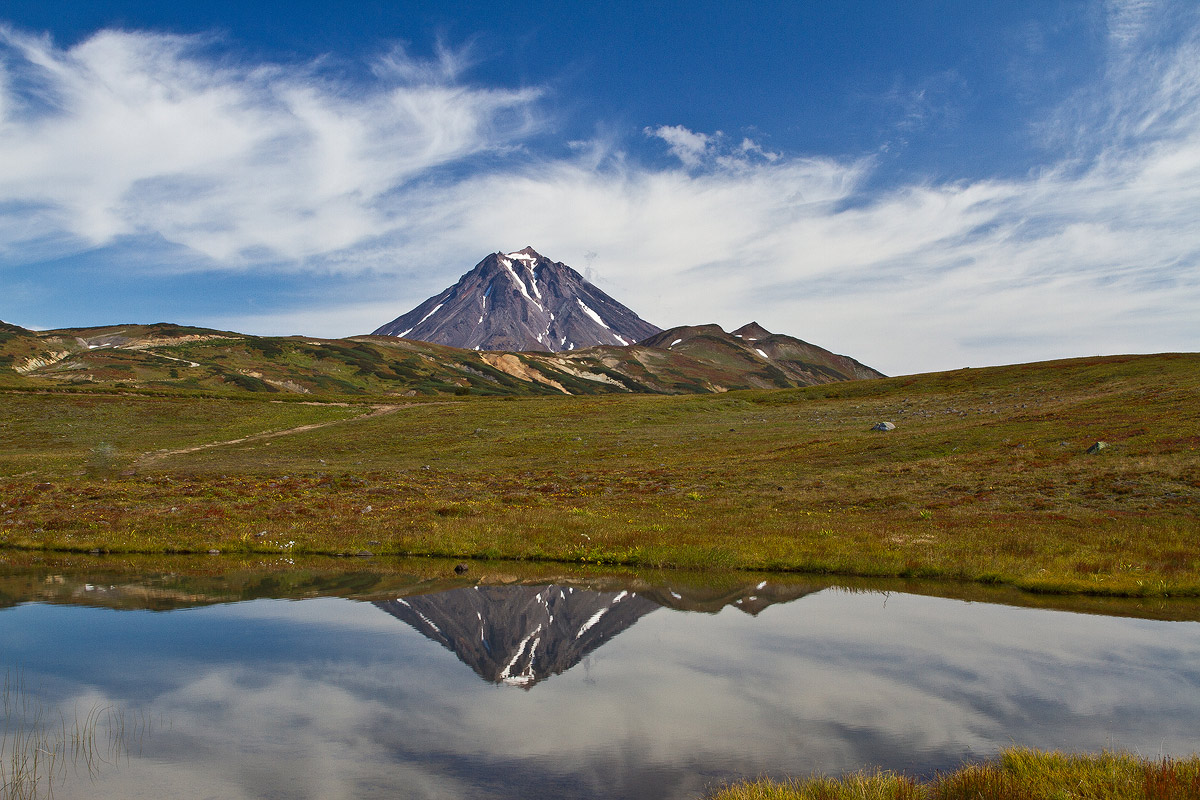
{"points": [[987, 476], [1018, 774]]}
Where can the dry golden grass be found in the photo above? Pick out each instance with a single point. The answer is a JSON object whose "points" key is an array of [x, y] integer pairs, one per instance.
{"points": [[1018, 774]]}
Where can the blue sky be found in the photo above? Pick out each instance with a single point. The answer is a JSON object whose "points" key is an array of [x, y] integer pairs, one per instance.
{"points": [[921, 185]]}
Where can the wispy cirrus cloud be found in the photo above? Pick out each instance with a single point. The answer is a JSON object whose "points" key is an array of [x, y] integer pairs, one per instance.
{"points": [[136, 133]]}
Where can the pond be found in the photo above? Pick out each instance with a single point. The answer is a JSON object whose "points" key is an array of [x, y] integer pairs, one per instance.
{"points": [[362, 686]]}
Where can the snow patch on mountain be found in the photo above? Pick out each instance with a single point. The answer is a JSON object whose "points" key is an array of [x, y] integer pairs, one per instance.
{"points": [[587, 310]]}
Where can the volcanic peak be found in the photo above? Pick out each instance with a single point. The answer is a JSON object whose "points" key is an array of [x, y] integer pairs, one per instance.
{"points": [[521, 301]]}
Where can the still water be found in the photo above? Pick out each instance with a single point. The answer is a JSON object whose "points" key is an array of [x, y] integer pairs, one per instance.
{"points": [[556, 690]]}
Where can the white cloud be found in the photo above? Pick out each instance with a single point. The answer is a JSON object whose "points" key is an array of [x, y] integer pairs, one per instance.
{"points": [[132, 133], [1071, 261], [688, 146]]}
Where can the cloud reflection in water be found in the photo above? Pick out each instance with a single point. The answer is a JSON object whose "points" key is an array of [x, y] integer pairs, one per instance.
{"points": [[333, 698]]}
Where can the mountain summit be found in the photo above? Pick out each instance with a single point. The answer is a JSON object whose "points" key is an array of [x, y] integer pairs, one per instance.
{"points": [[521, 301]]}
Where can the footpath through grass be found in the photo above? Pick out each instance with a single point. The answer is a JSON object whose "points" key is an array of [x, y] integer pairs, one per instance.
{"points": [[1017, 775], [985, 478]]}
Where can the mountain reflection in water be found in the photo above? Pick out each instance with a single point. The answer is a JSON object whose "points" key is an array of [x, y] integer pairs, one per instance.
{"points": [[294, 684], [520, 635]]}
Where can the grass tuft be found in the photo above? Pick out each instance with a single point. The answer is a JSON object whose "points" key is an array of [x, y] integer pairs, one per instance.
{"points": [[862, 786]]}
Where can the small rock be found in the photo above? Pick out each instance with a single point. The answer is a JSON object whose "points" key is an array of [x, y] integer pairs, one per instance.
{"points": [[460, 568], [260, 534], [884, 426], [214, 552], [364, 554], [1097, 447], [43, 487]]}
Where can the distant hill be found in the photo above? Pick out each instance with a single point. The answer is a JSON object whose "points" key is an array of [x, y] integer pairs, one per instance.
{"points": [[751, 345], [679, 361], [521, 301]]}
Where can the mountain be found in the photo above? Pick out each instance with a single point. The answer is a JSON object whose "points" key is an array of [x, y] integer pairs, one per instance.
{"points": [[694, 358], [768, 359], [521, 301]]}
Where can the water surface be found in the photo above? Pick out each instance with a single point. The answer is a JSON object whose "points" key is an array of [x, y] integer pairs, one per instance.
{"points": [[556, 690]]}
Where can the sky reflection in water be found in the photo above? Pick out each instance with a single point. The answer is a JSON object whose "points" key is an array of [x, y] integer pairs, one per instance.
{"points": [[331, 698]]}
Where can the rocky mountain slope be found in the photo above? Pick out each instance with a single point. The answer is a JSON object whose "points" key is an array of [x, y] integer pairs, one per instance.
{"points": [[22, 350], [680, 361], [521, 301]]}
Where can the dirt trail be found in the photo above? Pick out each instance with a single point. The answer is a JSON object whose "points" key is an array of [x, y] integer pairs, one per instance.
{"points": [[376, 411]]}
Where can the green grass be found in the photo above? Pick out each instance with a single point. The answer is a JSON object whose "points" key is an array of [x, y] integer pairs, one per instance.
{"points": [[986, 477], [1018, 774], [59, 435]]}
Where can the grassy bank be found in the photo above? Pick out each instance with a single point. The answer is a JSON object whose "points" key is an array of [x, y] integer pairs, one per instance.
{"points": [[985, 478], [1017, 775]]}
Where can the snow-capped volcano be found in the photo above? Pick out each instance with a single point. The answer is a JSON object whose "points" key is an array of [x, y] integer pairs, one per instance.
{"points": [[521, 301]]}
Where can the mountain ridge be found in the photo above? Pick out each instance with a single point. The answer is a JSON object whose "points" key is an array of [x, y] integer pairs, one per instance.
{"points": [[165, 355]]}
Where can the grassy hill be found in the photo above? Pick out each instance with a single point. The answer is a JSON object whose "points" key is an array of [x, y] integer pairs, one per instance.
{"points": [[987, 476], [165, 356]]}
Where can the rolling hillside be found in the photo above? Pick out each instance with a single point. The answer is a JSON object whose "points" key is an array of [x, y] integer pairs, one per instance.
{"points": [[705, 359]]}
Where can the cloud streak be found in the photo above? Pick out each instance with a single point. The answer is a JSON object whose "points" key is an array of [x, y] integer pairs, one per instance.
{"points": [[139, 133], [418, 174]]}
